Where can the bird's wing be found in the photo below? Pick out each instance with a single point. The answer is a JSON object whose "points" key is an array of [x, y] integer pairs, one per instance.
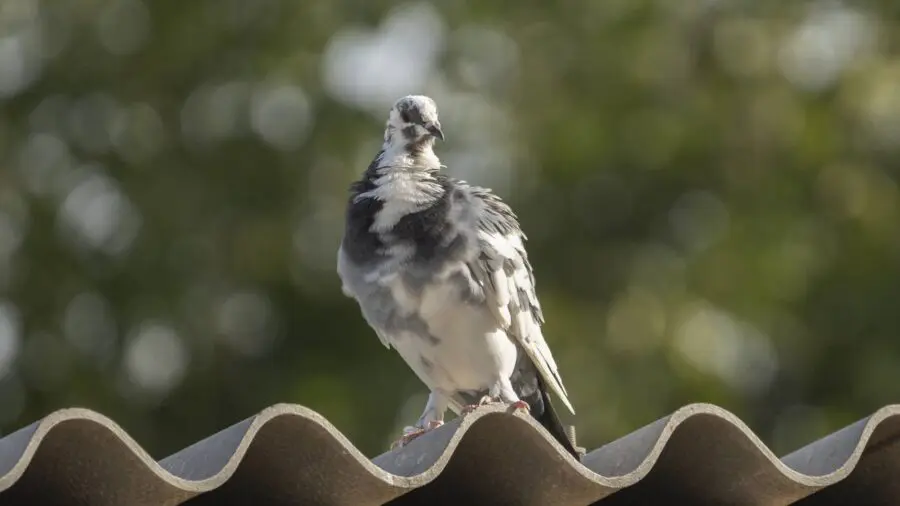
{"points": [[353, 281], [502, 269]]}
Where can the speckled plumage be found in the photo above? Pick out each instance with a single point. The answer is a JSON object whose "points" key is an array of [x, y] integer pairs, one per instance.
{"points": [[440, 272]]}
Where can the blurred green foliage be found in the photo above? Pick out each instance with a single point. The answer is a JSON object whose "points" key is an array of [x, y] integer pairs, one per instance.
{"points": [[709, 188]]}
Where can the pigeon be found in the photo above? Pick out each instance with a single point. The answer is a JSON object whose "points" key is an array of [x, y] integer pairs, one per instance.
{"points": [[439, 270]]}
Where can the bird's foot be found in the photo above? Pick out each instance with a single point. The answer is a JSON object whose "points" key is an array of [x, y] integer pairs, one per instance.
{"points": [[520, 406], [410, 433], [484, 401]]}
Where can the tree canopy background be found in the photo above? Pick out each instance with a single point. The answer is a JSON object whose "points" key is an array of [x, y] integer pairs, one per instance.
{"points": [[709, 188]]}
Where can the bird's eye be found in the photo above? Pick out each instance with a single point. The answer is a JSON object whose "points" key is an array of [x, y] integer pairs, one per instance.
{"points": [[404, 116]]}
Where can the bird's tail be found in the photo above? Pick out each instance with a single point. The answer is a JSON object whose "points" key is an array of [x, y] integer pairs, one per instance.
{"points": [[550, 420]]}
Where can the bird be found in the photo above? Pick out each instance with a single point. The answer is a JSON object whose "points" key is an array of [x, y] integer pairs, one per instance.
{"points": [[439, 270]]}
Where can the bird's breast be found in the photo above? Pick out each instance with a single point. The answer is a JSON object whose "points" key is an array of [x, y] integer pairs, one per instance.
{"points": [[464, 347]]}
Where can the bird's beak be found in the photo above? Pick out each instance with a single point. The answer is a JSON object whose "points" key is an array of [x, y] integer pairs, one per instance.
{"points": [[434, 129]]}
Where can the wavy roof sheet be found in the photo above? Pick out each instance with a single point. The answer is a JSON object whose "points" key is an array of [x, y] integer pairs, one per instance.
{"points": [[290, 455]]}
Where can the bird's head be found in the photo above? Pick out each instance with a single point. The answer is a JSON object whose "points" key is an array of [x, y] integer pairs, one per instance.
{"points": [[413, 122]]}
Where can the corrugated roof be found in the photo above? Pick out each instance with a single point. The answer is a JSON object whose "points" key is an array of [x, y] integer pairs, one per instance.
{"points": [[290, 455]]}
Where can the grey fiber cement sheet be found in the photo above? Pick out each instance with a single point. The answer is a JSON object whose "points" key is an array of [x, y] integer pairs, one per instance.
{"points": [[290, 455]]}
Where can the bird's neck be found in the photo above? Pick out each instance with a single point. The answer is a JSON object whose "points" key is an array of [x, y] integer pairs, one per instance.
{"points": [[404, 181], [407, 156]]}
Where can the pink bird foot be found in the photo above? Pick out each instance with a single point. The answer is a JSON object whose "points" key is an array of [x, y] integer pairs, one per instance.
{"points": [[410, 433], [520, 406], [484, 401]]}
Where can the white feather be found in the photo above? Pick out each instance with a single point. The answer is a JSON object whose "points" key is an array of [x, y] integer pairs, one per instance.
{"points": [[519, 322]]}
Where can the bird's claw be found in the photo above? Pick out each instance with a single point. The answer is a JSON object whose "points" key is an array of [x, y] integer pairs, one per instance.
{"points": [[406, 438], [410, 433], [520, 406], [484, 401]]}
